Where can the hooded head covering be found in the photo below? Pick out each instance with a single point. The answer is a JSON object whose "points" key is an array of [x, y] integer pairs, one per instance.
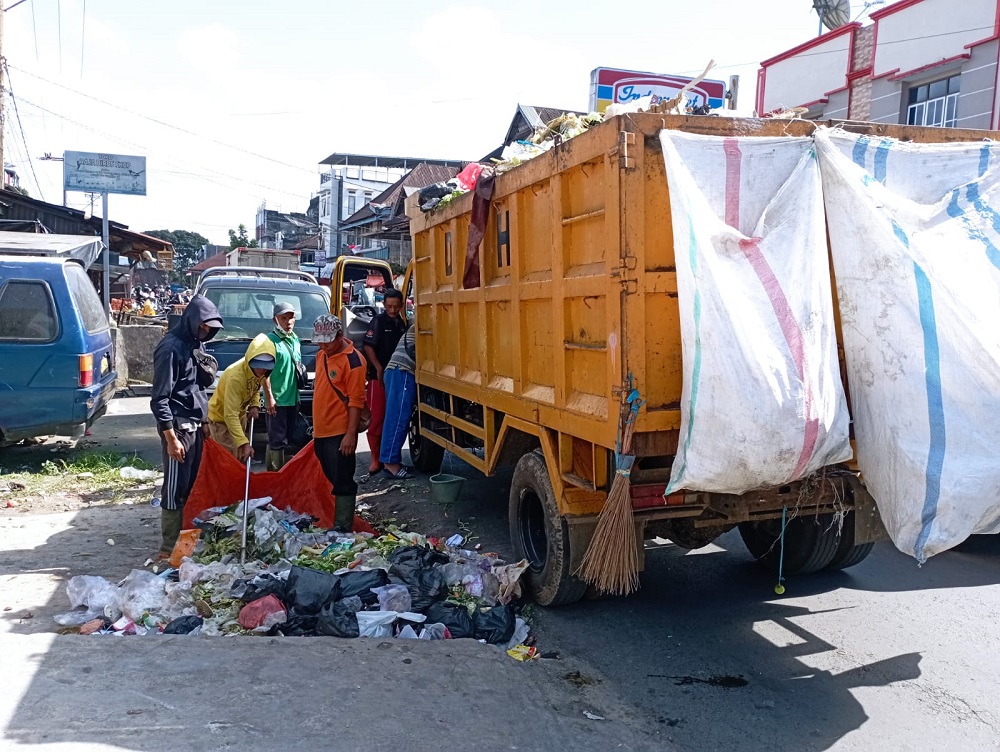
{"points": [[199, 311]]}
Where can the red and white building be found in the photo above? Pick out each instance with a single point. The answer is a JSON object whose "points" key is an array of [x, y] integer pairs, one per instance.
{"points": [[919, 62]]}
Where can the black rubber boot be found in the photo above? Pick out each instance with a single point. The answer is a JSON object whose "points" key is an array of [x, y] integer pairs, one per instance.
{"points": [[170, 527], [274, 459], [343, 516]]}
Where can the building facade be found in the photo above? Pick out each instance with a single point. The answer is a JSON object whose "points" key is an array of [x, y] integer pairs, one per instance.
{"points": [[919, 62]]}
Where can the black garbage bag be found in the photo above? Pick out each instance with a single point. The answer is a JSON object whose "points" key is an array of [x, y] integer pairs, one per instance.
{"points": [[416, 567], [360, 584], [495, 625], [183, 625], [308, 590], [434, 190], [423, 556], [296, 626], [453, 616], [339, 619], [265, 584]]}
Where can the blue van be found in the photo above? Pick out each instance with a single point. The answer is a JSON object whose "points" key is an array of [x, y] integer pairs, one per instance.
{"points": [[57, 370]]}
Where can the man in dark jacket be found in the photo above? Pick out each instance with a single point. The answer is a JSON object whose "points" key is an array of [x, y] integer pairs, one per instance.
{"points": [[182, 371]]}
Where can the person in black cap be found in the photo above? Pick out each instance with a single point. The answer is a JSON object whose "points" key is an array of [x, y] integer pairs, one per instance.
{"points": [[182, 371], [237, 398]]}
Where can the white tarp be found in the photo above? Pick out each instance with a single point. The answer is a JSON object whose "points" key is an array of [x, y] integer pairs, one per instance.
{"points": [[83, 248], [763, 403], [915, 240]]}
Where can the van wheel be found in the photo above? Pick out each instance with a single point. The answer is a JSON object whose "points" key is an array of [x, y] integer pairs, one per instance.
{"points": [[848, 553], [539, 534], [425, 455], [810, 543]]}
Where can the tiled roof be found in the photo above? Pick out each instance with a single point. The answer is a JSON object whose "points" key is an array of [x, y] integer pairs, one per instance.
{"points": [[420, 176]]}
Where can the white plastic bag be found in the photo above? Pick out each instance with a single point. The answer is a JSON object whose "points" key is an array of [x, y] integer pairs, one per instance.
{"points": [[100, 597], [763, 403], [142, 591], [915, 233]]}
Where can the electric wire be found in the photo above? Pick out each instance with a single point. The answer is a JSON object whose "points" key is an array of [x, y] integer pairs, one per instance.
{"points": [[17, 115], [34, 29], [233, 179], [83, 36], [164, 123], [59, 28]]}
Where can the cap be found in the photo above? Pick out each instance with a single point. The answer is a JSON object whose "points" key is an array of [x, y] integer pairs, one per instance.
{"points": [[262, 361], [326, 328], [281, 308], [215, 322]]}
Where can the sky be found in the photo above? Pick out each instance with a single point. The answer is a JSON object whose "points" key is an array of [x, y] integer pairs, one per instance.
{"points": [[235, 103]]}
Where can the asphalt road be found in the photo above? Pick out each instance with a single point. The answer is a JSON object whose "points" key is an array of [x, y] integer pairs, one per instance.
{"points": [[884, 656]]}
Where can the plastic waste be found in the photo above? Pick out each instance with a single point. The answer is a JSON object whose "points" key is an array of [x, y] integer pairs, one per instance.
{"points": [[407, 633], [308, 590], [467, 179], [521, 631], [134, 473], [456, 618], [185, 625], [415, 567], [184, 546], [435, 632], [338, 619], [375, 623], [495, 625], [393, 597], [508, 575], [264, 584], [256, 613], [361, 584], [140, 592], [99, 597]]}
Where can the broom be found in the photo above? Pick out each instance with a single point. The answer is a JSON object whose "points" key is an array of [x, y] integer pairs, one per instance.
{"points": [[611, 563]]}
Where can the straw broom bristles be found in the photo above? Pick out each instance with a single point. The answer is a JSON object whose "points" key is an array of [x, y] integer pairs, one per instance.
{"points": [[611, 563]]}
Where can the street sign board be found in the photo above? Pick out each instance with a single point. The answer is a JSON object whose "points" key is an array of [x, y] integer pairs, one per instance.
{"points": [[104, 173], [616, 86]]}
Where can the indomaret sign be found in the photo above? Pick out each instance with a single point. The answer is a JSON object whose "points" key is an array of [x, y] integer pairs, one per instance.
{"points": [[104, 173], [614, 86]]}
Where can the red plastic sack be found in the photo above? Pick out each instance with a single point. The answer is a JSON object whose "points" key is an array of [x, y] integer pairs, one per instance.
{"points": [[468, 177], [254, 613], [300, 484]]}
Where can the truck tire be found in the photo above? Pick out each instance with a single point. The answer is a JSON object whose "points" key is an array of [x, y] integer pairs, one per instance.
{"points": [[425, 455], [848, 553], [810, 543], [539, 534]]}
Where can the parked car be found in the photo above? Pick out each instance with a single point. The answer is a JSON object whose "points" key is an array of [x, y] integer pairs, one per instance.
{"points": [[57, 361]]}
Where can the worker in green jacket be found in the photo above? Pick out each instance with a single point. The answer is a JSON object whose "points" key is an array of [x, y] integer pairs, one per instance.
{"points": [[283, 402]]}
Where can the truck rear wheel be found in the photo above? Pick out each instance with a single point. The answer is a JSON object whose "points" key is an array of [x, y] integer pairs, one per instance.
{"points": [[539, 534], [424, 453], [848, 552], [811, 543]]}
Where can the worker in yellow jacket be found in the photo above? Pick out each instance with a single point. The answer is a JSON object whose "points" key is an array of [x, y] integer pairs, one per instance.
{"points": [[237, 397]]}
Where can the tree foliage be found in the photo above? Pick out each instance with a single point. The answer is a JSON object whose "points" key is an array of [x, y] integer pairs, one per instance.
{"points": [[239, 239], [187, 248]]}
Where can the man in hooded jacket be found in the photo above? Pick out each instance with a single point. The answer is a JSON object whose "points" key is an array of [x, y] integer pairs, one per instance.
{"points": [[237, 398], [182, 372]]}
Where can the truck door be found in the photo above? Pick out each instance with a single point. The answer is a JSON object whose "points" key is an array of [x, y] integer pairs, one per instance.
{"points": [[355, 282]]}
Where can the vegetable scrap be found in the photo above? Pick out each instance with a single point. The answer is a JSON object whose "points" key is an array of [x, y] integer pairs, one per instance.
{"points": [[303, 580]]}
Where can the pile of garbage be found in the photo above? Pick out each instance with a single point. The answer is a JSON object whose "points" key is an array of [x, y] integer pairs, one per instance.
{"points": [[557, 130], [301, 580]]}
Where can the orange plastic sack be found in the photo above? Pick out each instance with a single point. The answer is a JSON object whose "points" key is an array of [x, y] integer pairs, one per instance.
{"points": [[300, 484], [184, 546]]}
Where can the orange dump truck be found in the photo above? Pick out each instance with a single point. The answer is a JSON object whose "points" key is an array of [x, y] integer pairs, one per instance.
{"points": [[577, 290]]}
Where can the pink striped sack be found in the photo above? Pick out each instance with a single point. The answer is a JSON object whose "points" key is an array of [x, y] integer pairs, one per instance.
{"points": [[763, 403]]}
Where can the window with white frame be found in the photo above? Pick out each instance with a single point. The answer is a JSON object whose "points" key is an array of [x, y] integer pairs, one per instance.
{"points": [[934, 104], [352, 202]]}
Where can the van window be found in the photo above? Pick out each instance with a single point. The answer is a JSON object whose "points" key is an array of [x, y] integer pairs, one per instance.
{"points": [[85, 297], [27, 312]]}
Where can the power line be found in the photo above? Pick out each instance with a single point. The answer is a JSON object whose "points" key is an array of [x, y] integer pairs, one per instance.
{"points": [[166, 124], [83, 36], [232, 178], [59, 27], [17, 115], [34, 29]]}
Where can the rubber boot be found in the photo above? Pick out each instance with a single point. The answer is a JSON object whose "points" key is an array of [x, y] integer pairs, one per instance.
{"points": [[170, 526], [274, 459], [343, 516]]}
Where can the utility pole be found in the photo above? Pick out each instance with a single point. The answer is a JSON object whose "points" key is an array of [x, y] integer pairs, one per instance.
{"points": [[3, 64]]}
